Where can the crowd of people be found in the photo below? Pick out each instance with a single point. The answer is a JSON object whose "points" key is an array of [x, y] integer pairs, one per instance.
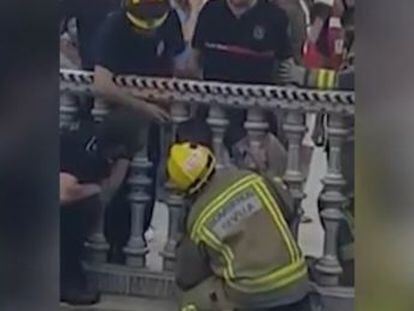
{"points": [[306, 43]]}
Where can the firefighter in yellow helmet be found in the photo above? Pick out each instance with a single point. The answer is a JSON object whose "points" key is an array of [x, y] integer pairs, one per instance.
{"points": [[238, 252]]}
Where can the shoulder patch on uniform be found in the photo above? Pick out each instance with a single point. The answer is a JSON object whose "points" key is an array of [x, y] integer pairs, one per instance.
{"points": [[233, 213]]}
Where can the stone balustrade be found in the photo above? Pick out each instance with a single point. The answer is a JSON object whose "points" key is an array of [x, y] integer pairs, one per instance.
{"points": [[258, 101]]}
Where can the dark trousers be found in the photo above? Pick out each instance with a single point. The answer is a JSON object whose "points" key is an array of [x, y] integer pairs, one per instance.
{"points": [[75, 222], [118, 220]]}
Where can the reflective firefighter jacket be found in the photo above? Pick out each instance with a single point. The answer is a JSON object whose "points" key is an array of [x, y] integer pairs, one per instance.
{"points": [[246, 240]]}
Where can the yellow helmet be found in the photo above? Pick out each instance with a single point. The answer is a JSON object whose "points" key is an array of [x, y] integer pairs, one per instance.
{"points": [[147, 14], [189, 166]]}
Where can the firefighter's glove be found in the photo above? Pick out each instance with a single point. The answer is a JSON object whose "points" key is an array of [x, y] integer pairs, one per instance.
{"points": [[291, 73]]}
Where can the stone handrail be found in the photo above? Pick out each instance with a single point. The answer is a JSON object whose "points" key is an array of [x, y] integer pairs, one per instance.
{"points": [[225, 94]]}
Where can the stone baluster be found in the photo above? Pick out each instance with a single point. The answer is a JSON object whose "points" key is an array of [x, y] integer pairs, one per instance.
{"points": [[332, 200], [294, 127], [176, 213], [68, 109], [179, 113], [140, 182], [256, 127], [218, 123], [96, 244]]}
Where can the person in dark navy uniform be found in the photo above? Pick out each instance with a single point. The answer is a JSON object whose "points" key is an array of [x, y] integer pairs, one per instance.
{"points": [[240, 41], [94, 161], [142, 38]]}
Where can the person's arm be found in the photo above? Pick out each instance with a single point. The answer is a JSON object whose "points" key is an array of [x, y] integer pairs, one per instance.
{"points": [[111, 184], [191, 266], [180, 51], [200, 37], [323, 79], [196, 63], [105, 88], [282, 44], [195, 68], [298, 26], [190, 62], [71, 190]]}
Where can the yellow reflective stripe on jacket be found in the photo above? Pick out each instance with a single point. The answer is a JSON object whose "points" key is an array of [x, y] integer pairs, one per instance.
{"points": [[189, 308], [330, 81], [273, 284], [277, 275], [272, 207], [325, 79], [321, 76], [223, 195], [222, 249], [218, 201]]}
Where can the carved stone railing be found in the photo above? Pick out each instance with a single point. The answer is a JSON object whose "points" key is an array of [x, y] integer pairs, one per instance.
{"points": [[218, 93], [257, 100]]}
